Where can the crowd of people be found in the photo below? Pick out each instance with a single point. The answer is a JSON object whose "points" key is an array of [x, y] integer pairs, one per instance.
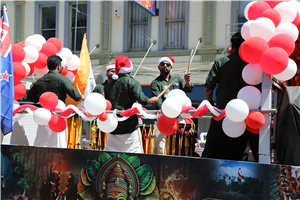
{"points": [[122, 91]]}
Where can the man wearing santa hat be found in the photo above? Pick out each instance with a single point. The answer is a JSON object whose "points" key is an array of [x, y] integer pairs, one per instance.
{"points": [[110, 70], [165, 65], [122, 92]]}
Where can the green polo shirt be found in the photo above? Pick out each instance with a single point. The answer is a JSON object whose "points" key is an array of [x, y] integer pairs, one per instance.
{"points": [[53, 82], [158, 84], [226, 72], [122, 93]]}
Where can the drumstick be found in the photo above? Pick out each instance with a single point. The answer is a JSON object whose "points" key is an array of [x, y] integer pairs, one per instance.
{"points": [[78, 89], [188, 69], [166, 89]]}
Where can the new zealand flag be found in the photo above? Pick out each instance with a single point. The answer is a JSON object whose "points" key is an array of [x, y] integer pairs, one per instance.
{"points": [[6, 77]]}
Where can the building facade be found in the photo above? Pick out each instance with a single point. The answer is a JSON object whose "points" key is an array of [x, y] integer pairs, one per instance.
{"points": [[125, 28]]}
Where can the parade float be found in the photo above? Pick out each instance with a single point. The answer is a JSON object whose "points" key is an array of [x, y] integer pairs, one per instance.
{"points": [[70, 172]]}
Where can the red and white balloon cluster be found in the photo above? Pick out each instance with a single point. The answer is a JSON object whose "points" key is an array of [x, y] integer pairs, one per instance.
{"points": [[270, 34], [30, 56]]}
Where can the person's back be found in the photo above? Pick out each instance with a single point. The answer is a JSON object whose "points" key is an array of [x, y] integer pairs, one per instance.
{"points": [[230, 79]]}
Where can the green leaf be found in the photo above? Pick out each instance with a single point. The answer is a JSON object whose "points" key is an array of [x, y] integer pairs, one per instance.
{"points": [[153, 196], [134, 161], [145, 175], [84, 178], [150, 188], [113, 155], [86, 192], [124, 156], [92, 170], [103, 158]]}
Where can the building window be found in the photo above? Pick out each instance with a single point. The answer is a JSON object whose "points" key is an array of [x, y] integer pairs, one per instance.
{"points": [[81, 24], [138, 35], [48, 21], [175, 24], [241, 16]]}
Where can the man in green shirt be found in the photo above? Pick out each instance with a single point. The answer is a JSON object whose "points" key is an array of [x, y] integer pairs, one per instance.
{"points": [[54, 82], [122, 92], [110, 70], [165, 65], [227, 74]]}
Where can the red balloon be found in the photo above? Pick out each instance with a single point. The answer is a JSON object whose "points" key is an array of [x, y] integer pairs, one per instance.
{"points": [[49, 100], [273, 3], [283, 41], [255, 131], [57, 124], [41, 62], [49, 49], [108, 105], [31, 69], [56, 42], [64, 71], [102, 116], [273, 15], [256, 9], [19, 71], [296, 20], [18, 53], [252, 49], [166, 125], [274, 60], [255, 120], [20, 90], [74, 71], [22, 44]]}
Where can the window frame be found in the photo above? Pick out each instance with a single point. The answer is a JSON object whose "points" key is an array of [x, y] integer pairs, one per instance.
{"points": [[41, 19]]}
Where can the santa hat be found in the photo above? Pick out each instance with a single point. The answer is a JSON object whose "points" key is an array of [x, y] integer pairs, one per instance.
{"points": [[110, 66], [168, 59], [123, 66]]}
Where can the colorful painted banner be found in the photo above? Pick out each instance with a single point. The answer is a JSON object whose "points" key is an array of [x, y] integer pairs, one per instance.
{"points": [[54, 173], [149, 6]]}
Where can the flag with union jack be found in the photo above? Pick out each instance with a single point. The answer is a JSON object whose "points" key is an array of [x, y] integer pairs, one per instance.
{"points": [[6, 76]]}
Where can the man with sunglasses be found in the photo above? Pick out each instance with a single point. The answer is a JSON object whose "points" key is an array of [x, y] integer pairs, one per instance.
{"points": [[165, 65]]}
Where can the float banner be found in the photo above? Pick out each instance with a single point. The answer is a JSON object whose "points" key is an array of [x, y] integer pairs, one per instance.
{"points": [[55, 173]]}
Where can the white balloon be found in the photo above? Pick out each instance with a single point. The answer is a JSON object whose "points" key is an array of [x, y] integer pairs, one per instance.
{"points": [[296, 4], [188, 101], [95, 103], [287, 11], [16, 105], [251, 95], [171, 107], [245, 31], [289, 71], [108, 125], [70, 76], [179, 95], [233, 129], [64, 60], [67, 53], [31, 54], [262, 27], [74, 63], [41, 72], [247, 9], [61, 105], [35, 41], [288, 28], [252, 74], [27, 67], [237, 110], [42, 116]]}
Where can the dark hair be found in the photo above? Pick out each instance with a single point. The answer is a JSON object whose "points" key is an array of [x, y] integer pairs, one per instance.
{"points": [[53, 61], [237, 40]]}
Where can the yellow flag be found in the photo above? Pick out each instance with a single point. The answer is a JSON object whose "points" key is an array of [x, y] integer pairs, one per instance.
{"points": [[82, 75]]}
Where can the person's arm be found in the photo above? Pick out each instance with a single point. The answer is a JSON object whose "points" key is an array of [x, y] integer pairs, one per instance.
{"points": [[69, 89], [185, 83], [32, 94], [155, 92], [208, 95], [138, 93]]}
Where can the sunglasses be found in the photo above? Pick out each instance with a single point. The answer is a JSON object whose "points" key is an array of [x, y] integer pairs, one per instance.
{"points": [[163, 64]]}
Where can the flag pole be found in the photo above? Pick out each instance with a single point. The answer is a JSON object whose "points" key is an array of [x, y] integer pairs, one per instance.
{"points": [[152, 42]]}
